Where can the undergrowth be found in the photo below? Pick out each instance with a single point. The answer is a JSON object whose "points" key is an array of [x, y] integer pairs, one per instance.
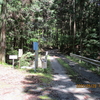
{"points": [[72, 74], [5, 64], [88, 66], [46, 74]]}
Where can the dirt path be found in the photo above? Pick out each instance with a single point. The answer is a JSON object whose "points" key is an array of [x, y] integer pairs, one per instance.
{"points": [[11, 85], [69, 86]]}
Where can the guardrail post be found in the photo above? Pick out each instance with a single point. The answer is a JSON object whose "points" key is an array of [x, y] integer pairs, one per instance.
{"points": [[98, 68], [80, 61], [87, 64], [87, 60]]}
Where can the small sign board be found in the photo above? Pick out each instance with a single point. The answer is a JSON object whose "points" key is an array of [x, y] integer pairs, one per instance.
{"points": [[46, 53], [20, 52], [35, 45], [12, 56]]}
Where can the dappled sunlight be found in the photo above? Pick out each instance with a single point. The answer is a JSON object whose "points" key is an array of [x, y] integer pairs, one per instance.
{"points": [[61, 87], [62, 84], [37, 39], [52, 57], [78, 90]]}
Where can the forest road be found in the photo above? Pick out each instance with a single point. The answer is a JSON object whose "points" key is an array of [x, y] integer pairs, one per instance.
{"points": [[64, 89]]}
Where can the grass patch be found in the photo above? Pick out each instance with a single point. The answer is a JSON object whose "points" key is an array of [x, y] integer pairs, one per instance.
{"points": [[46, 74], [5, 64], [72, 74], [45, 97], [88, 66]]}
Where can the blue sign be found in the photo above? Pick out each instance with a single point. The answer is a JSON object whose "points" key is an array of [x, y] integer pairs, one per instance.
{"points": [[35, 45]]}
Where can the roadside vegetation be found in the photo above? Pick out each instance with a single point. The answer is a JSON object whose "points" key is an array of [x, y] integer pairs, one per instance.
{"points": [[45, 74], [5, 64], [72, 73], [88, 66], [42, 77], [45, 97]]}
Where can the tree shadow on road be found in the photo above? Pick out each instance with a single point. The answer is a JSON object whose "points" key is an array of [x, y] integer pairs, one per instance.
{"points": [[58, 89], [42, 91]]}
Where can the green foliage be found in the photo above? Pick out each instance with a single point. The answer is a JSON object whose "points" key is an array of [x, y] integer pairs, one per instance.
{"points": [[45, 97], [12, 52], [72, 73], [5, 64], [54, 20], [46, 74], [34, 40], [26, 59], [86, 65], [70, 70]]}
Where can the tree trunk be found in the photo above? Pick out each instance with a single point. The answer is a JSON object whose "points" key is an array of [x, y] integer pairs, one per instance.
{"points": [[74, 9], [70, 24], [3, 31]]}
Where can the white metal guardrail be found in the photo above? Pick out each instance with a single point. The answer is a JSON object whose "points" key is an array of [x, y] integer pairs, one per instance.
{"points": [[88, 60]]}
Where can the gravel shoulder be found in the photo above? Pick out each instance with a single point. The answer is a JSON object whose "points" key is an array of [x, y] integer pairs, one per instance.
{"points": [[11, 84]]}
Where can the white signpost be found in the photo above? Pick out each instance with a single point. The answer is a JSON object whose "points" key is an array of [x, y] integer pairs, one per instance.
{"points": [[13, 57], [20, 53], [44, 61]]}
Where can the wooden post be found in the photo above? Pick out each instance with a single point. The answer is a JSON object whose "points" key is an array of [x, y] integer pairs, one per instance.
{"points": [[20, 53], [46, 58], [98, 68], [13, 63], [19, 62], [36, 59], [13, 57]]}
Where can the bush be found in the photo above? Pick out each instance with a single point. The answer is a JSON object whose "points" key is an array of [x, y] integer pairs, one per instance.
{"points": [[26, 59]]}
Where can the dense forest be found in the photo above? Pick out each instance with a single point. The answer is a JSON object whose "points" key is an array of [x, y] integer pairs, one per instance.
{"points": [[69, 25]]}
